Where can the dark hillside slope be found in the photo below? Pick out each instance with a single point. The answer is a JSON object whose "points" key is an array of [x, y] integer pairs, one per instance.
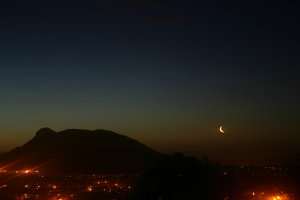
{"points": [[85, 151]]}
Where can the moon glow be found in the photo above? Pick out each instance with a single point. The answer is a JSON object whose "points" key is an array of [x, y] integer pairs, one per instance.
{"points": [[221, 129]]}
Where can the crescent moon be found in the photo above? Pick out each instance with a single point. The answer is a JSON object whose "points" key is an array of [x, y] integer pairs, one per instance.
{"points": [[221, 129]]}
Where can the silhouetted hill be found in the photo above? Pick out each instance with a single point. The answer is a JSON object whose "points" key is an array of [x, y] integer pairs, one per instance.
{"points": [[73, 150]]}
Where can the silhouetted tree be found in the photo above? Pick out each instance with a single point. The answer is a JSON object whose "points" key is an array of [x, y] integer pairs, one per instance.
{"points": [[179, 177], [296, 175], [298, 160]]}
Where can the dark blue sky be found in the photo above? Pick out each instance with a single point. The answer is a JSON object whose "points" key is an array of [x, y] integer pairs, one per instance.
{"points": [[167, 73]]}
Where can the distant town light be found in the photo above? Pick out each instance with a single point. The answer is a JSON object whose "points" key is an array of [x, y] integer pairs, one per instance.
{"points": [[90, 188]]}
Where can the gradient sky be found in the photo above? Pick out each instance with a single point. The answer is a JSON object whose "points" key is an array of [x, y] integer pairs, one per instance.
{"points": [[167, 73]]}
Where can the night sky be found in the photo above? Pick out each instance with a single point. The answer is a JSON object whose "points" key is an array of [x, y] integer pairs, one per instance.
{"points": [[167, 73]]}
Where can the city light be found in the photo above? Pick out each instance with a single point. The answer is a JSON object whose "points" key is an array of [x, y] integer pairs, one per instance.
{"points": [[54, 187]]}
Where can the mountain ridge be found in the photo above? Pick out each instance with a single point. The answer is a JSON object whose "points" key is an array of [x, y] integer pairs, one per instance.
{"points": [[78, 150]]}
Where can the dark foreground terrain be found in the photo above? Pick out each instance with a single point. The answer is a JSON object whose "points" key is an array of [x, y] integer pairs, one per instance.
{"points": [[103, 165], [175, 177]]}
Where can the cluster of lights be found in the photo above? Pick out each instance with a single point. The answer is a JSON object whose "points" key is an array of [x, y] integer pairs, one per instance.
{"points": [[270, 197], [51, 191], [27, 171], [275, 198], [56, 197], [3, 186], [23, 171]]}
